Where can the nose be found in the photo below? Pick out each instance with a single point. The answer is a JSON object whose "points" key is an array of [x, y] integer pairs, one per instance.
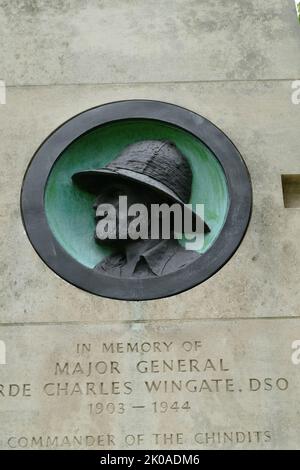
{"points": [[100, 216]]}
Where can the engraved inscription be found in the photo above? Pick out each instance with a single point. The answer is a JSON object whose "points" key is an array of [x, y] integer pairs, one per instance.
{"points": [[183, 392]]}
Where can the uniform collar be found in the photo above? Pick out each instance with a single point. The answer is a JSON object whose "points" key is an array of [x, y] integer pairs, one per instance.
{"points": [[157, 255]]}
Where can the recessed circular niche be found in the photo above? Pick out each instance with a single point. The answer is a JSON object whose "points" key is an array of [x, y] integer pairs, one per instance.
{"points": [[59, 217]]}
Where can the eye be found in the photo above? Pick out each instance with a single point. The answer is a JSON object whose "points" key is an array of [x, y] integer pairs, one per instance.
{"points": [[114, 193]]}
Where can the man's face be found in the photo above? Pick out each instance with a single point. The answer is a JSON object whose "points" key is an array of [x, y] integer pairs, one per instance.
{"points": [[111, 196]]}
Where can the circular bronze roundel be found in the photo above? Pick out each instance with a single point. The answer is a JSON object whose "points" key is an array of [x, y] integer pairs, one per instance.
{"points": [[156, 148]]}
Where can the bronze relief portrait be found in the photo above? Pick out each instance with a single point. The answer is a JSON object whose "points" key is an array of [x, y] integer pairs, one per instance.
{"points": [[151, 172], [136, 200]]}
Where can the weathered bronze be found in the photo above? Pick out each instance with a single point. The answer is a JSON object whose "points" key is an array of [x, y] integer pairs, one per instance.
{"points": [[148, 172]]}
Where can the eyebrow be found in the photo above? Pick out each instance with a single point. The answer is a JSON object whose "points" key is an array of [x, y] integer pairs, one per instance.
{"points": [[102, 196]]}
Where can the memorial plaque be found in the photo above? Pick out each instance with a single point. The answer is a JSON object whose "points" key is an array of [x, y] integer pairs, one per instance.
{"points": [[150, 385], [216, 367]]}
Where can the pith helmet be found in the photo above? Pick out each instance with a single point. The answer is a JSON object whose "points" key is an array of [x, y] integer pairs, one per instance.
{"points": [[155, 163]]}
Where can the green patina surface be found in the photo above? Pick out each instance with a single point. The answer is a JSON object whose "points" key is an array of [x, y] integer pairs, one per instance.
{"points": [[69, 210]]}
